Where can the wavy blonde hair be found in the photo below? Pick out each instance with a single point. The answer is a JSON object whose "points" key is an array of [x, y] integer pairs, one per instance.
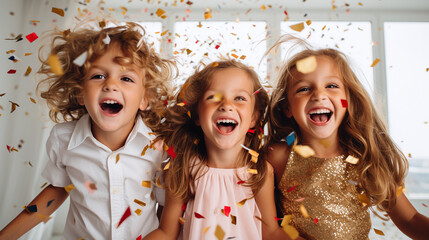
{"points": [[181, 132], [362, 133], [63, 91]]}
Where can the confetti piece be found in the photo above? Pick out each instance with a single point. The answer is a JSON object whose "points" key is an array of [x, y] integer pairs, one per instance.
{"points": [[13, 106], [257, 91], [12, 71], [424, 205], [363, 199], [308, 22], [144, 150], [217, 46], [79, 61], [344, 103], [351, 159], [31, 208], [400, 190], [242, 57], [160, 12], [146, 184], [215, 64], [28, 71], [304, 150], [138, 211], [44, 185], [127, 213], [31, 37], [139, 202], [102, 24], [252, 171], [303, 211], [50, 202], [291, 231], [70, 187], [106, 40], [263, 7], [240, 182], [217, 97], [233, 219], [297, 27], [89, 188], [207, 15], [375, 62], [290, 138], [189, 114], [226, 210], [307, 65], [242, 202], [170, 151], [361, 4], [206, 229], [58, 11], [55, 64], [182, 220], [316, 220], [197, 215], [409, 155], [219, 233], [379, 232], [291, 189], [10, 51], [166, 166]]}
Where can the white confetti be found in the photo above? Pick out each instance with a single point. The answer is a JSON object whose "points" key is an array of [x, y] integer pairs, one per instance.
{"points": [[81, 59], [106, 40]]}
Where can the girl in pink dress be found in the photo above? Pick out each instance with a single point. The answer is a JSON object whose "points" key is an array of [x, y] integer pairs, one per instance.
{"points": [[217, 188]]}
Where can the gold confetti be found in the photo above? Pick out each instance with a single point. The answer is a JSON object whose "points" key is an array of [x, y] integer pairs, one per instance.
{"points": [[181, 104], [139, 202], [13, 106], [286, 220], [242, 202], [263, 7], [243, 57], [297, 27], [146, 184], [303, 150], [291, 231], [10, 51], [308, 22], [102, 24], [44, 185], [207, 15], [363, 199], [375, 62], [206, 229], [159, 12], [215, 64], [138, 211], [144, 150], [189, 114], [252, 171], [233, 219], [379, 232], [401, 189], [352, 160], [409, 155], [117, 158], [307, 65], [163, 33], [360, 4], [70, 187], [219, 233], [303, 211], [32, 100], [323, 27], [28, 54], [28, 71], [58, 11], [55, 65], [188, 51], [182, 220], [167, 166], [217, 97]]}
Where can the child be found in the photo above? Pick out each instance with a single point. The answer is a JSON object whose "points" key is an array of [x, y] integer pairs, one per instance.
{"points": [[219, 110], [96, 155], [355, 164]]}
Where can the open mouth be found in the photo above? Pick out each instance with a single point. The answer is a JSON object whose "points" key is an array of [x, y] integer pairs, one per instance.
{"points": [[226, 125], [111, 106], [320, 115]]}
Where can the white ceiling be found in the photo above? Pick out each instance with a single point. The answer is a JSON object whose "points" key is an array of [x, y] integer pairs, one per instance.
{"points": [[420, 5]]}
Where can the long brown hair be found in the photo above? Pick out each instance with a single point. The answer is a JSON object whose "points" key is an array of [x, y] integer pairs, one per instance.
{"points": [[362, 133], [181, 132], [63, 91]]}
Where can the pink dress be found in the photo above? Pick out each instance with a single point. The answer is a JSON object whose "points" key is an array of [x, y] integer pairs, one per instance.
{"points": [[208, 215]]}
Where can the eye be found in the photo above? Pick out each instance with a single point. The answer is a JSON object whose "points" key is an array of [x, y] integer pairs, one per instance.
{"points": [[126, 79], [303, 89], [98, 76], [332, 86], [240, 98], [209, 97]]}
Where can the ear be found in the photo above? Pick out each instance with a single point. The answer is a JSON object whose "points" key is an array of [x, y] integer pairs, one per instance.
{"points": [[143, 104], [80, 99], [286, 110], [255, 118]]}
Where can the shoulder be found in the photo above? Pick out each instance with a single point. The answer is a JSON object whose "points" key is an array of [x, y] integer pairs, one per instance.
{"points": [[62, 131], [277, 156]]}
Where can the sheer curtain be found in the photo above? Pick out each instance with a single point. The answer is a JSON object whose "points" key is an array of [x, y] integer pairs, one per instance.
{"points": [[23, 132]]}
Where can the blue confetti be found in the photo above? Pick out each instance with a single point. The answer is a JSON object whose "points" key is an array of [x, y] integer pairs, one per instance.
{"points": [[49, 203], [290, 138], [32, 208]]}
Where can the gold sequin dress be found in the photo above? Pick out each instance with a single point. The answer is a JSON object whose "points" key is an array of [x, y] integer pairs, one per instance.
{"points": [[326, 188]]}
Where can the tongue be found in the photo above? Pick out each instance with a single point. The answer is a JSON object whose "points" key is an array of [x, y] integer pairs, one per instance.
{"points": [[111, 108], [320, 117], [225, 129]]}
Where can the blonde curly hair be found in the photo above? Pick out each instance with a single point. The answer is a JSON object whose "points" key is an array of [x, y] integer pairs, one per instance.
{"points": [[63, 90]]}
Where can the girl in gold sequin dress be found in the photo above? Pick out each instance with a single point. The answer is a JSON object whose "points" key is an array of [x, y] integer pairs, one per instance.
{"points": [[354, 164]]}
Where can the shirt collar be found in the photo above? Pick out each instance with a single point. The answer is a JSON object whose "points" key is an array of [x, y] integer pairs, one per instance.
{"points": [[83, 131]]}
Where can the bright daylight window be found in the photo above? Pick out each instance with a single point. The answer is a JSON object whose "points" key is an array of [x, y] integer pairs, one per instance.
{"points": [[212, 41], [407, 67], [352, 38]]}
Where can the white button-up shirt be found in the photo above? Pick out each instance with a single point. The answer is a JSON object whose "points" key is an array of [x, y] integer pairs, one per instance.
{"points": [[120, 178]]}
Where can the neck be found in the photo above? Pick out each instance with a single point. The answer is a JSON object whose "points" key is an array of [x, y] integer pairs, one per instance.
{"points": [[113, 140], [325, 148], [224, 158]]}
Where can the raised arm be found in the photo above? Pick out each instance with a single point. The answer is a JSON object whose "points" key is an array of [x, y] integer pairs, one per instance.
{"points": [[26, 221], [408, 220], [266, 205], [169, 226]]}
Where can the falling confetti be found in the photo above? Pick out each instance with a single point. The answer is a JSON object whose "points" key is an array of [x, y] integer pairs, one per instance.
{"points": [[90, 187], [79, 61], [219, 233], [303, 211], [304, 150], [146, 184], [363, 199], [378, 232], [11, 71], [28, 71], [351, 159], [242, 202], [139, 202], [197, 215], [206, 229], [13, 106], [252, 171], [306, 65], [226, 210], [297, 27], [138, 211], [291, 189], [31, 37], [344, 103], [55, 64], [58, 11], [31, 208], [170, 151], [375, 62], [50, 202], [126, 214], [290, 138], [70, 187]]}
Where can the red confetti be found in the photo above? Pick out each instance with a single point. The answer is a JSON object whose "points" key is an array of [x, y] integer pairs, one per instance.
{"points": [[344, 103], [217, 46], [139, 237], [12, 71], [185, 102], [197, 215], [171, 152], [261, 130], [278, 219], [291, 189], [197, 41], [286, 13], [127, 213], [316, 221], [184, 207], [165, 102], [424, 205], [251, 130], [227, 210], [31, 37], [240, 182]]}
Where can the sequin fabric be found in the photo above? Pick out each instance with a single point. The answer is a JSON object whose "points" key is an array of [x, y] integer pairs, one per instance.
{"points": [[326, 188]]}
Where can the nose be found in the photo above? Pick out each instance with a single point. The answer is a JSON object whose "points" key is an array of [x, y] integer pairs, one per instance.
{"points": [[318, 95], [225, 106], [110, 84]]}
